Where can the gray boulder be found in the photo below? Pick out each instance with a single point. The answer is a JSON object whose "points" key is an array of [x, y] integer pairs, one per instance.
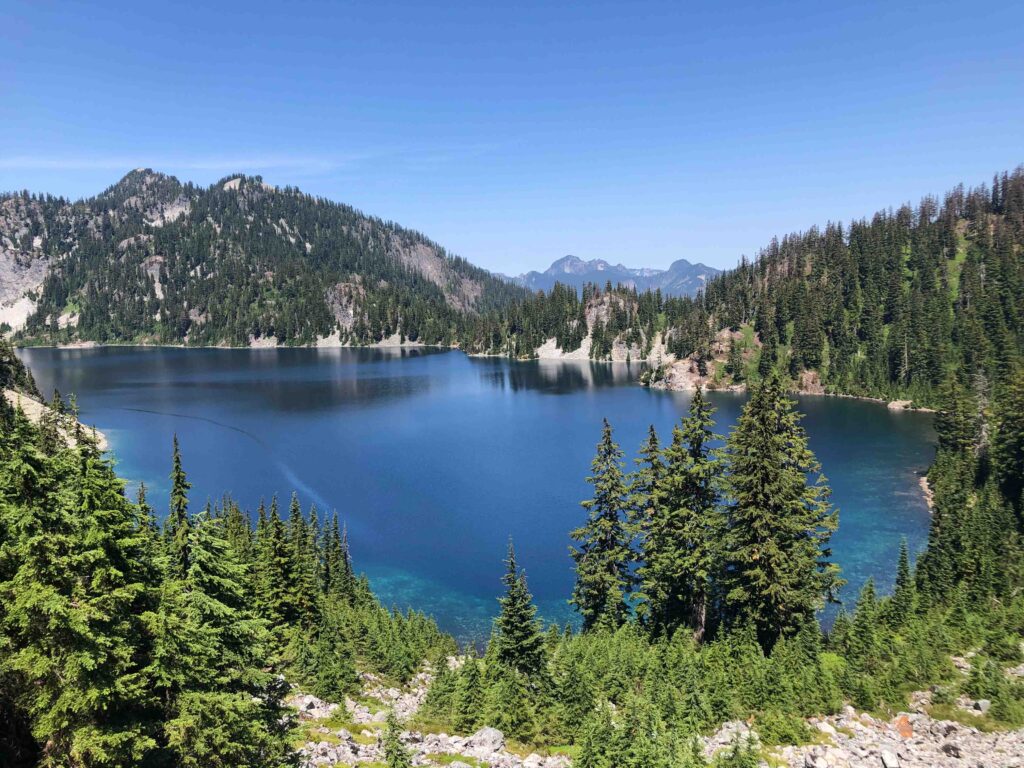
{"points": [[486, 741]]}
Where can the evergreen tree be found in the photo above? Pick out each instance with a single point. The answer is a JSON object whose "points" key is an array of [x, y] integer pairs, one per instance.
{"points": [[1008, 442], [468, 701], [334, 667], [904, 597], [509, 706], [603, 554], [518, 641], [221, 710], [681, 546], [273, 573], [176, 531], [74, 641], [779, 572], [395, 753]]}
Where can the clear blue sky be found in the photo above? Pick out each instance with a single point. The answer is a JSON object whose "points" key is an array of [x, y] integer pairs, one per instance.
{"points": [[515, 133]]}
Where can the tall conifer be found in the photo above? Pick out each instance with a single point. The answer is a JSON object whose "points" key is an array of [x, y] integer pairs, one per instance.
{"points": [[603, 554], [777, 546]]}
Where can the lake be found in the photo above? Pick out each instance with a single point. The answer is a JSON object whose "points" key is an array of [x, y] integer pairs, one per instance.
{"points": [[434, 459]]}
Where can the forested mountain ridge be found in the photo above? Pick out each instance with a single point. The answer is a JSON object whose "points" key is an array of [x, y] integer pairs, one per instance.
{"points": [[151, 260], [885, 306]]}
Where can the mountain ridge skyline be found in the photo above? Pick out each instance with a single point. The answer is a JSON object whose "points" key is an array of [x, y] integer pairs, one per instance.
{"points": [[681, 278]]}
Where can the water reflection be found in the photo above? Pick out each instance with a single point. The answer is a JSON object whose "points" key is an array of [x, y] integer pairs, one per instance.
{"points": [[557, 377]]}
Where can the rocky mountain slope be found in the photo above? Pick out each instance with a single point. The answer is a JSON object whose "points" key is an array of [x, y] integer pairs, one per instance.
{"points": [[154, 260], [681, 279], [351, 733]]}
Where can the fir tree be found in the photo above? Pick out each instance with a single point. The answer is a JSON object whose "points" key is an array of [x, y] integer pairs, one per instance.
{"points": [[681, 546], [779, 524], [221, 710], [603, 553], [395, 753], [904, 597], [176, 530], [518, 641], [1008, 442], [468, 700], [75, 640]]}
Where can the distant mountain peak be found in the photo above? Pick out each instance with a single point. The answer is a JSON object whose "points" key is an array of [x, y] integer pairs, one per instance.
{"points": [[682, 278]]}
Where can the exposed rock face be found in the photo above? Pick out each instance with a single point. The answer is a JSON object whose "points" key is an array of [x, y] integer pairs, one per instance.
{"points": [[910, 740], [598, 311], [688, 374]]}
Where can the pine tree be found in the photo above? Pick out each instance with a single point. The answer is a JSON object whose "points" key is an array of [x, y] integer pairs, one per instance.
{"points": [[683, 538], [509, 705], [75, 641], [221, 710], [518, 641], [273, 575], [642, 484], [779, 525], [304, 566], [469, 697], [1008, 442], [596, 741], [334, 667], [904, 597], [603, 553], [395, 753], [956, 423], [176, 530]]}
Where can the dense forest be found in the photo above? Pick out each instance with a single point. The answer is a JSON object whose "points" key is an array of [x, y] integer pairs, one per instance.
{"points": [[882, 306], [153, 261], [886, 306]]}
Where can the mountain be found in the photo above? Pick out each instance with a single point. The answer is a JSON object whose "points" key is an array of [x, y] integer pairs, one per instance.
{"points": [[680, 279], [154, 260]]}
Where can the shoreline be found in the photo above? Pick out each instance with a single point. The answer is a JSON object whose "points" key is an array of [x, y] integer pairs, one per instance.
{"points": [[899, 405]]}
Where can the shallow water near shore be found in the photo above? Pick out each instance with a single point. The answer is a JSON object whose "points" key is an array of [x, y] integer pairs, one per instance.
{"points": [[433, 459]]}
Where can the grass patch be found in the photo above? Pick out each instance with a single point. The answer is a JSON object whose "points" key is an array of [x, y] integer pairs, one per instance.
{"points": [[771, 759], [523, 750], [957, 714], [443, 758], [310, 732], [429, 725]]}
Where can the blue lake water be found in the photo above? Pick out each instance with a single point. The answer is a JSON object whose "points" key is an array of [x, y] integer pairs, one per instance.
{"points": [[434, 459]]}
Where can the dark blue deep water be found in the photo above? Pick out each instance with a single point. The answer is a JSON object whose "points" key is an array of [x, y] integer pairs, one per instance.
{"points": [[434, 459]]}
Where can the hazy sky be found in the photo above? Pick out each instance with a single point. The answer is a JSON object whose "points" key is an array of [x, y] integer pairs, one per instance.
{"points": [[515, 133]]}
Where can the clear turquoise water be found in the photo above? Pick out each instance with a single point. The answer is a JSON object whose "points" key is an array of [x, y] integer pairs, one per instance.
{"points": [[434, 459]]}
